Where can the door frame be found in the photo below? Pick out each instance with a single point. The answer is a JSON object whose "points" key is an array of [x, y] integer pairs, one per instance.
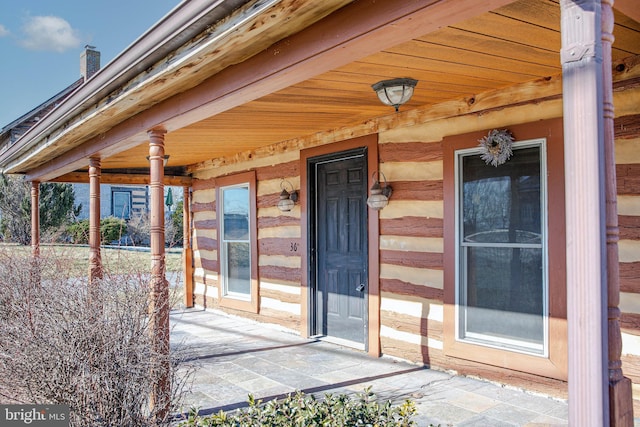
{"points": [[370, 142]]}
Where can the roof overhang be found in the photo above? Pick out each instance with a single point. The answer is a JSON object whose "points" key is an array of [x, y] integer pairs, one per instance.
{"points": [[231, 77]]}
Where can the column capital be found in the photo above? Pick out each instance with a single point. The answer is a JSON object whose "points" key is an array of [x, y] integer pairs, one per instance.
{"points": [[156, 132], [95, 167]]}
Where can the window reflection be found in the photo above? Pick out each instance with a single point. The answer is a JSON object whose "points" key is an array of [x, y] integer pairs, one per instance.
{"points": [[502, 294], [236, 249], [502, 204]]}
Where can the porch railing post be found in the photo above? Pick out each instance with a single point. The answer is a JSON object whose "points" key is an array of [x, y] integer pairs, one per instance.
{"points": [[95, 258], [159, 292], [187, 257], [35, 233], [35, 219], [620, 399]]}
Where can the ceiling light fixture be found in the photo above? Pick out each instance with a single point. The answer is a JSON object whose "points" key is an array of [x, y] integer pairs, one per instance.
{"points": [[395, 92]]}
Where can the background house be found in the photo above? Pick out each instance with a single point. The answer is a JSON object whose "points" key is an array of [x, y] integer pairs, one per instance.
{"points": [[121, 201]]}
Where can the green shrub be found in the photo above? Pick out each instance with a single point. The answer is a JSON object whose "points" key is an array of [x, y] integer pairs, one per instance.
{"points": [[79, 232], [112, 228], [300, 410]]}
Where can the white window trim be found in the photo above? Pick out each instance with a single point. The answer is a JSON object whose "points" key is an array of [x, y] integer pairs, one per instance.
{"points": [[482, 341], [224, 277]]}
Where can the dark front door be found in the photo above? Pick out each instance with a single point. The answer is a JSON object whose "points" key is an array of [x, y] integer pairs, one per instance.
{"points": [[341, 266]]}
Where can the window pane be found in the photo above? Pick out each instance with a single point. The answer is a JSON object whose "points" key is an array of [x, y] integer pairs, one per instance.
{"points": [[502, 204], [121, 204], [504, 296], [238, 267], [236, 213]]}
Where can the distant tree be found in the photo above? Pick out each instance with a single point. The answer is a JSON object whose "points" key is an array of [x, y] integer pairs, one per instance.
{"points": [[174, 227], [15, 209], [56, 208]]}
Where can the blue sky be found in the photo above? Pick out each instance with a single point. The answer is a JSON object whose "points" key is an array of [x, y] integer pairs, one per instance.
{"points": [[41, 42]]}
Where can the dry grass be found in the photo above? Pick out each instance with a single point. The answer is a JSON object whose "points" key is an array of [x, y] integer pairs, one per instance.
{"points": [[95, 348], [115, 260]]}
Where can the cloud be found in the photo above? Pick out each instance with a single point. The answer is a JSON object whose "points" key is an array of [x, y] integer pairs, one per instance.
{"points": [[3, 31], [49, 33]]}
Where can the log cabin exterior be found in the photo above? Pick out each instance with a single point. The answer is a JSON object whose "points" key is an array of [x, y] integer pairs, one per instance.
{"points": [[253, 97]]}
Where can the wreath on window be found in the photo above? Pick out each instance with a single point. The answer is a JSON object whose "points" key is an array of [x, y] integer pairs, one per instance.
{"points": [[496, 147]]}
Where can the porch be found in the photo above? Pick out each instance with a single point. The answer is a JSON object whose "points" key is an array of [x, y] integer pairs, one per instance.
{"points": [[243, 105], [236, 356]]}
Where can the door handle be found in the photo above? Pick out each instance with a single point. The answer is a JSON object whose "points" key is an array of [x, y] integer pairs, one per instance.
{"points": [[360, 287]]}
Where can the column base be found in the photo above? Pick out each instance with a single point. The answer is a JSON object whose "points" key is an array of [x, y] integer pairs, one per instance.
{"points": [[620, 403]]}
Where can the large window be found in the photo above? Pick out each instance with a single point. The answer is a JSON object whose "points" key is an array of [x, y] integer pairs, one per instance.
{"points": [[502, 288], [505, 252], [237, 241]]}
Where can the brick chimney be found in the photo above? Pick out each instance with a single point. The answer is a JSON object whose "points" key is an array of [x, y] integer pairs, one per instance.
{"points": [[89, 62]]}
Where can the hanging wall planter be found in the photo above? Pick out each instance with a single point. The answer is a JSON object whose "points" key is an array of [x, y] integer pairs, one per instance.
{"points": [[496, 147]]}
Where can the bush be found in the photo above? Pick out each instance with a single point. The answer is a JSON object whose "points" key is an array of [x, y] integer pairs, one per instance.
{"points": [[112, 229], [63, 342], [139, 229], [300, 410], [79, 232]]}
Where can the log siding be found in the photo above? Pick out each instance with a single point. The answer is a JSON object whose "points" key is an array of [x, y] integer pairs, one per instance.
{"points": [[627, 137], [411, 242]]}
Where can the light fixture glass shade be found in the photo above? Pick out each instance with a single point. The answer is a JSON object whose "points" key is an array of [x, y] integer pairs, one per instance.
{"points": [[377, 200], [379, 196], [285, 204], [395, 92]]}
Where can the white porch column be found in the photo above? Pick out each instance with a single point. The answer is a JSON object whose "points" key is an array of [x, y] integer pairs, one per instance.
{"points": [[159, 296], [581, 57]]}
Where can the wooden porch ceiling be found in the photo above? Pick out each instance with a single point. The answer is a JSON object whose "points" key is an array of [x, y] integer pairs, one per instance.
{"points": [[514, 44]]}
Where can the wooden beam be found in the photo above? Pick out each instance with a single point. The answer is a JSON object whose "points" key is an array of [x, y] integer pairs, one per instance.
{"points": [[355, 31], [123, 179], [631, 8]]}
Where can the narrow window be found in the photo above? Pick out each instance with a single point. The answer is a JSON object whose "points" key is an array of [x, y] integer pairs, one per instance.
{"points": [[501, 284], [237, 241]]}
